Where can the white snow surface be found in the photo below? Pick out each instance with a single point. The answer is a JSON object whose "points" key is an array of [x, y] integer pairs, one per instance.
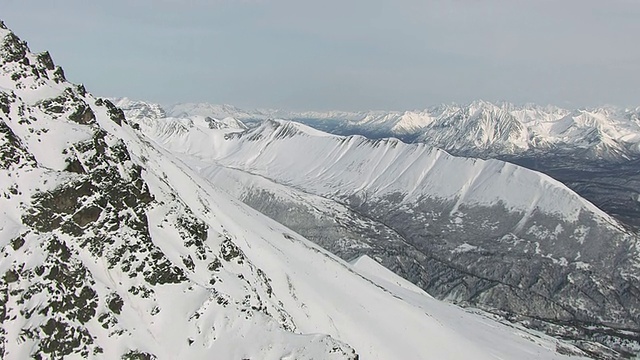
{"points": [[320, 293], [297, 155], [315, 304], [475, 325], [479, 127]]}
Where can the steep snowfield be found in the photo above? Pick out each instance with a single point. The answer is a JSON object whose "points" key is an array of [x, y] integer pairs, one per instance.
{"points": [[112, 247], [474, 324], [374, 168], [482, 233], [323, 295]]}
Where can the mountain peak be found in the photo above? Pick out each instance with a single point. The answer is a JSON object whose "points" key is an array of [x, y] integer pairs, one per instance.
{"points": [[203, 109], [422, 212], [482, 104], [24, 70], [481, 127], [98, 253]]}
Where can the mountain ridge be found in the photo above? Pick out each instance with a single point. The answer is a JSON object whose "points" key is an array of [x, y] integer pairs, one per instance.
{"points": [[601, 132], [436, 219], [113, 248], [591, 151]]}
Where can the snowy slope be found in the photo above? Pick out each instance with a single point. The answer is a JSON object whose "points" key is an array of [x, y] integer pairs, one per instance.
{"points": [[474, 324], [376, 168], [101, 262], [114, 248], [476, 129], [485, 233], [213, 117], [325, 296]]}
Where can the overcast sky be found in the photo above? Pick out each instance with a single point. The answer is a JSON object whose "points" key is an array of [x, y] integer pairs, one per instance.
{"points": [[342, 54]]}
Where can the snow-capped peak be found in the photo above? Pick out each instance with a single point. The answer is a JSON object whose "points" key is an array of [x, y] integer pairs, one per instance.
{"points": [[113, 247], [479, 128]]}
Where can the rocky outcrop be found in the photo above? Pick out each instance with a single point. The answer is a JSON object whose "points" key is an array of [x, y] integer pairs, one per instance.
{"points": [[93, 255]]}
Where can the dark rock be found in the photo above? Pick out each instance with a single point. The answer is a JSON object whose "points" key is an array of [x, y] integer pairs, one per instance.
{"points": [[17, 243], [44, 58], [58, 75], [5, 102], [115, 114], [87, 216], [83, 115], [75, 166], [138, 355], [12, 151], [81, 90], [11, 276], [115, 303], [13, 49]]}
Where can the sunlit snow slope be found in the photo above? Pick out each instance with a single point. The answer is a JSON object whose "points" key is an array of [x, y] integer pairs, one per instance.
{"points": [[325, 164], [482, 233], [479, 128], [113, 248]]}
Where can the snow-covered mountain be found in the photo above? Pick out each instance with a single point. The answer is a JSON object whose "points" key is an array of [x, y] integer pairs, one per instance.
{"points": [[210, 115], [140, 109], [480, 129], [112, 247], [593, 151], [486, 233]]}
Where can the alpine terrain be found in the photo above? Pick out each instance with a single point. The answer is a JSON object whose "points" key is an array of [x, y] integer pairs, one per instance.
{"points": [[595, 151], [112, 246], [480, 128], [482, 233]]}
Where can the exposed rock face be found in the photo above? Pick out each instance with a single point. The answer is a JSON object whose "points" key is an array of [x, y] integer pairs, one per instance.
{"points": [[84, 239], [96, 205]]}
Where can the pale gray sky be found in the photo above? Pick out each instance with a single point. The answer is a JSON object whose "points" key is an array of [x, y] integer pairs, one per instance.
{"points": [[342, 54]]}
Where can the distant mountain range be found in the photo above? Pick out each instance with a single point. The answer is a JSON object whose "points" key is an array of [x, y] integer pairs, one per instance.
{"points": [[123, 235], [477, 129]]}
